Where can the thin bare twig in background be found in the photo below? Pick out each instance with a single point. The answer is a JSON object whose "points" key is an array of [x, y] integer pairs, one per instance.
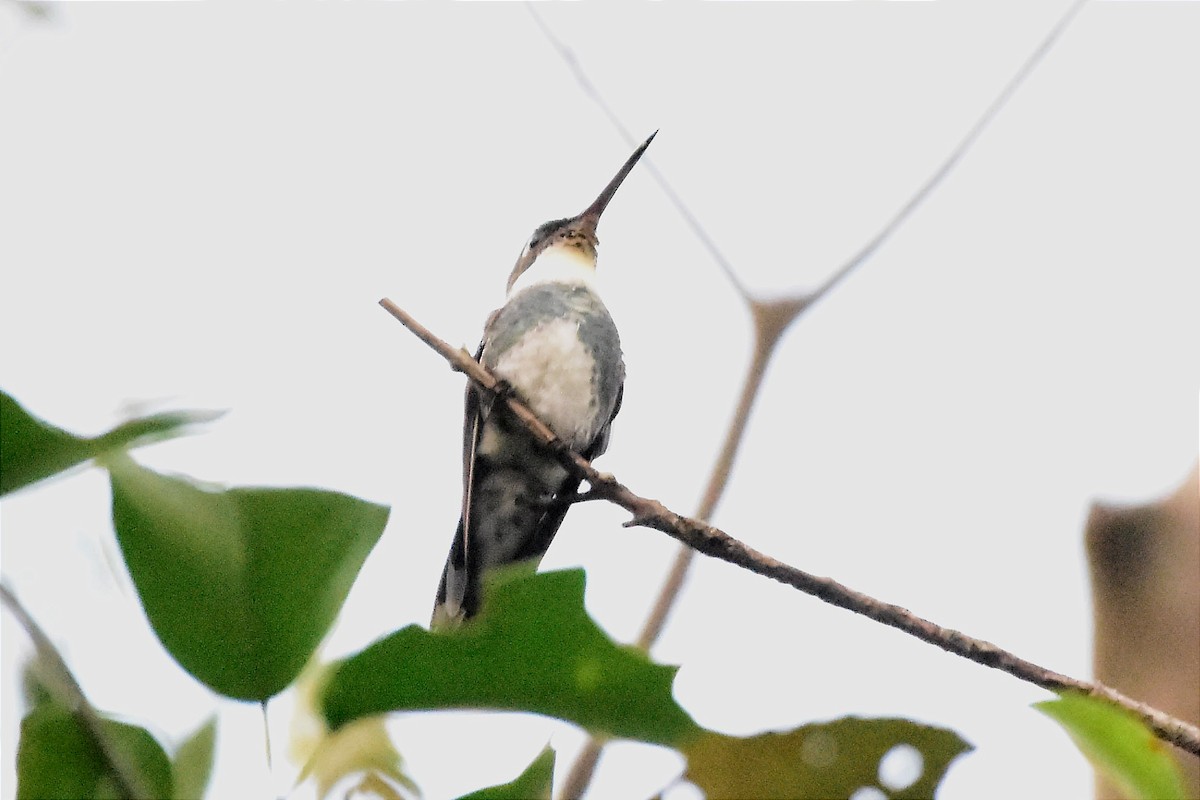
{"points": [[585, 83], [771, 317], [985, 119], [127, 780], [713, 542]]}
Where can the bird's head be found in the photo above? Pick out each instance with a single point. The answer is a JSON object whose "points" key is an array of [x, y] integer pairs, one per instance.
{"points": [[574, 238]]}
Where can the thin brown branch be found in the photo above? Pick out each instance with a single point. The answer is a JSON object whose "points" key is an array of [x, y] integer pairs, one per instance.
{"points": [[582, 769], [716, 543], [66, 691]]}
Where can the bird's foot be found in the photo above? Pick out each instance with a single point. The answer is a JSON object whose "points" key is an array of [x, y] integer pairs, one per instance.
{"points": [[504, 390]]}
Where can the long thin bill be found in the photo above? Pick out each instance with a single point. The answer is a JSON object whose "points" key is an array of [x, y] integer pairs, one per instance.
{"points": [[592, 213]]}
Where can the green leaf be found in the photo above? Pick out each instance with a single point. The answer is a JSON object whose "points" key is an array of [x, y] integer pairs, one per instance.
{"points": [[193, 762], [534, 783], [533, 648], [1119, 745], [58, 758], [240, 585], [833, 759], [32, 450]]}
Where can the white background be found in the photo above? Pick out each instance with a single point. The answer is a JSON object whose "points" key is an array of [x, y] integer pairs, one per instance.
{"points": [[201, 204]]}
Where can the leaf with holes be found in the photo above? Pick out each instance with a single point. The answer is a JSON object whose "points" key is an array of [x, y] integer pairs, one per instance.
{"points": [[240, 585], [832, 759], [533, 648]]}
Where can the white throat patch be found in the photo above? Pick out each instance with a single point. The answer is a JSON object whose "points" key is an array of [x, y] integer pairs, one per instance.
{"points": [[558, 264]]}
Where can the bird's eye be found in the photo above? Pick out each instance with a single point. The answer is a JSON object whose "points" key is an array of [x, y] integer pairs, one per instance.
{"points": [[545, 231]]}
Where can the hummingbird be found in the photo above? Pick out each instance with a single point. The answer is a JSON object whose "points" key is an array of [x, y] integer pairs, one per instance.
{"points": [[554, 345]]}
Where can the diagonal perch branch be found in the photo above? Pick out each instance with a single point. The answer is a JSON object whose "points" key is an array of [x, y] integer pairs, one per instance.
{"points": [[718, 544]]}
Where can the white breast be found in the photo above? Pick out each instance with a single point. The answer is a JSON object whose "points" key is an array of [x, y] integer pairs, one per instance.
{"points": [[553, 371]]}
